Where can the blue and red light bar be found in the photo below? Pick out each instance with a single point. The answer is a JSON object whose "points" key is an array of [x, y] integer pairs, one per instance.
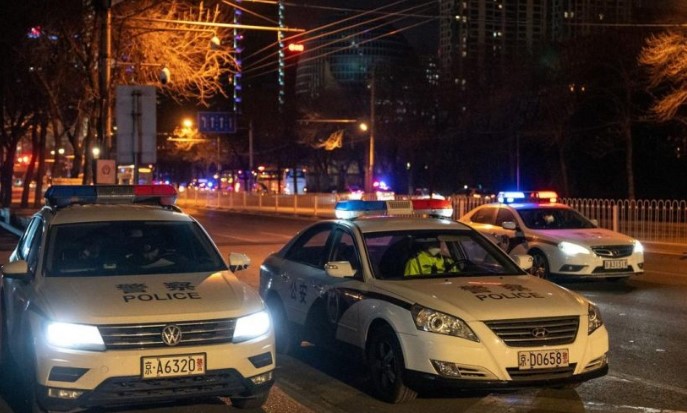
{"points": [[355, 208], [509, 197], [64, 195]]}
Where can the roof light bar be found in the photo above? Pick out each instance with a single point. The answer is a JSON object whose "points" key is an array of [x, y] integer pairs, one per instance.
{"points": [[64, 195], [355, 208], [509, 197], [433, 207]]}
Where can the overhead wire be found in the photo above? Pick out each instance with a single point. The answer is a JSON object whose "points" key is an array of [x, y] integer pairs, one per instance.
{"points": [[319, 56], [364, 23], [335, 23]]}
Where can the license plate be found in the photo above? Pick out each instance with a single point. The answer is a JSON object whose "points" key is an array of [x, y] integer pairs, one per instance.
{"points": [[615, 264], [173, 366], [542, 359]]}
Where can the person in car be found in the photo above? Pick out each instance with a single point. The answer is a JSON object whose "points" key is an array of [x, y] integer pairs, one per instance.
{"points": [[433, 258]]}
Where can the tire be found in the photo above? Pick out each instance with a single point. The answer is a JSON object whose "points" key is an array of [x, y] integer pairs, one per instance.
{"points": [[387, 367], [252, 402], [287, 339], [540, 265]]}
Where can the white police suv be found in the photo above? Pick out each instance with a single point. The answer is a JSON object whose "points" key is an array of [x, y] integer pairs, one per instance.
{"points": [[478, 320], [113, 296], [561, 240]]}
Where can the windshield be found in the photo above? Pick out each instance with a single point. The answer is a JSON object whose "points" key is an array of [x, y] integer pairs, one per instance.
{"points": [[129, 248], [554, 218], [407, 254]]}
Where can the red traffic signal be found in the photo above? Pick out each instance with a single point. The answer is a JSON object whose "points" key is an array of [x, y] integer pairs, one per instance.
{"points": [[295, 47]]}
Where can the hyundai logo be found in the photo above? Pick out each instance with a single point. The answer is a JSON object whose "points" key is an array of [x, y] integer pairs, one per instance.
{"points": [[171, 335], [540, 332]]}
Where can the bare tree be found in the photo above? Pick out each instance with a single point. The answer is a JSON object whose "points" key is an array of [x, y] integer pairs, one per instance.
{"points": [[182, 38], [665, 57]]}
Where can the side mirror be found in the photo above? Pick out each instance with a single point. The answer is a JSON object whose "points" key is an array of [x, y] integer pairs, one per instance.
{"points": [[339, 269], [16, 269], [238, 261], [524, 261], [509, 225]]}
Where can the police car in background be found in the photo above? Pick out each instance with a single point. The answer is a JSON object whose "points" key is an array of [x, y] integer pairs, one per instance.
{"points": [[113, 296], [482, 323], [561, 241]]}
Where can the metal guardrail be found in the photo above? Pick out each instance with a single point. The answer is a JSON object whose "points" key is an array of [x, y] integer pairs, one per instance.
{"points": [[646, 220]]}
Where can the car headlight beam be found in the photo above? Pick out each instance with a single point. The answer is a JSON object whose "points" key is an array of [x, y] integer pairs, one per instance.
{"points": [[437, 322], [569, 248], [74, 336], [638, 247], [594, 320], [252, 326]]}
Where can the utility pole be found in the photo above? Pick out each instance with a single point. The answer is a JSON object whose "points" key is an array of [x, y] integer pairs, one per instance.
{"points": [[369, 175], [105, 75]]}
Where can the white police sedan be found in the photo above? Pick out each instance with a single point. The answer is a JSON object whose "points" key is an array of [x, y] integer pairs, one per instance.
{"points": [[479, 322], [561, 240]]}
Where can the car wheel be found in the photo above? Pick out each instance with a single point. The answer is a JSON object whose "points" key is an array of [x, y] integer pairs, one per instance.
{"points": [[252, 402], [286, 338], [540, 265], [387, 367]]}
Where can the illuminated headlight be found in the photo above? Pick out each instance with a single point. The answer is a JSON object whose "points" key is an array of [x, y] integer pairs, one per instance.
{"points": [[252, 326], [434, 321], [639, 248], [594, 320], [569, 248], [76, 336]]}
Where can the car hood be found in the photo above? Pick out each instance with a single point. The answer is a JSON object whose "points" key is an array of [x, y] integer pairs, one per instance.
{"points": [[489, 298], [162, 298], [590, 236]]}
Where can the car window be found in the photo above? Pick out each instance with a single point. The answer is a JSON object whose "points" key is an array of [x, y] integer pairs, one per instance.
{"points": [[464, 253], [310, 248], [345, 250], [129, 248], [554, 218], [484, 216], [26, 241], [504, 215]]}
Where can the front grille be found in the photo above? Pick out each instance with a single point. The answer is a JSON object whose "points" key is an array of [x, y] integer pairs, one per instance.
{"points": [[535, 332], [614, 251], [541, 374], [193, 333]]}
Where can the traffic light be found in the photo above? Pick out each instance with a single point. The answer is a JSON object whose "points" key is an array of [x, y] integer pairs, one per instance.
{"points": [[295, 47]]}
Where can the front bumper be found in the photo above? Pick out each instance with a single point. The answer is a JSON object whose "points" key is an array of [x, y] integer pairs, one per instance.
{"points": [[427, 382], [132, 390], [76, 379]]}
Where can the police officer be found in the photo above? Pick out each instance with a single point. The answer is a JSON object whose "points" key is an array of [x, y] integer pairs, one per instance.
{"points": [[434, 258]]}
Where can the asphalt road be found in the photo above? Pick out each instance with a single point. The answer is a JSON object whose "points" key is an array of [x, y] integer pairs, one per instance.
{"points": [[645, 317]]}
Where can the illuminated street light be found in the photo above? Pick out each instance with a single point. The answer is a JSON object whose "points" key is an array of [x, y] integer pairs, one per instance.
{"points": [[363, 127]]}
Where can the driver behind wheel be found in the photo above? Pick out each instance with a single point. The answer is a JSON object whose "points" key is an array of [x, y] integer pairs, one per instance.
{"points": [[433, 258]]}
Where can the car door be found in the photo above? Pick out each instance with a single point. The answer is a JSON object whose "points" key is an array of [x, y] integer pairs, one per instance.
{"points": [[301, 275], [507, 239], [340, 309], [18, 292]]}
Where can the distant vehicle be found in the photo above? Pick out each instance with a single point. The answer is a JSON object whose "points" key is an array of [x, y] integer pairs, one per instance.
{"points": [[271, 181], [472, 319], [288, 181], [561, 240], [115, 297]]}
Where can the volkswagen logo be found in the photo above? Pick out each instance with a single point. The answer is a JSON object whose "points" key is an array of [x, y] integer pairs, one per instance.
{"points": [[540, 332], [171, 335]]}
